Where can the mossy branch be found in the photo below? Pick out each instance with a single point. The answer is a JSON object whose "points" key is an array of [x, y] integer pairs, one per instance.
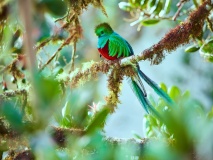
{"points": [[114, 84], [180, 35], [6, 95], [86, 74], [176, 37]]}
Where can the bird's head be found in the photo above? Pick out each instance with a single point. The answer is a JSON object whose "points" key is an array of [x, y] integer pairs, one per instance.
{"points": [[103, 29]]}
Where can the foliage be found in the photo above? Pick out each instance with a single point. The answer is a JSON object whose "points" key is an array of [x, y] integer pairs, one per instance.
{"points": [[45, 113], [184, 128], [151, 12]]}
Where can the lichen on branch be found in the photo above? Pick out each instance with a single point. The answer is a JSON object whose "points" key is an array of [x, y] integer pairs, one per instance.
{"points": [[90, 71], [115, 77]]}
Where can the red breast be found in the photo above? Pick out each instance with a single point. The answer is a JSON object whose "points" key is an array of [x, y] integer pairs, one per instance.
{"points": [[105, 53]]}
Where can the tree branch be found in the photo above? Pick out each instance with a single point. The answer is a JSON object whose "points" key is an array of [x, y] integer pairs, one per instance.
{"points": [[73, 57], [180, 6], [180, 35], [13, 94]]}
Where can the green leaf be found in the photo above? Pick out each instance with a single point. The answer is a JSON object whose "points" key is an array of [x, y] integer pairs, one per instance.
{"points": [[47, 89], [125, 6], [150, 22], [57, 70], [144, 3], [210, 114], [159, 7], [206, 51], [192, 48], [195, 3], [57, 8], [98, 121], [156, 8], [161, 104], [135, 3], [152, 121], [66, 121], [12, 115], [151, 3], [66, 110], [167, 6], [175, 93], [137, 136], [163, 87], [186, 95]]}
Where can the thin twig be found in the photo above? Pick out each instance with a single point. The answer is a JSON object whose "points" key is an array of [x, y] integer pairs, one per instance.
{"points": [[51, 58], [180, 5], [73, 57], [67, 42], [209, 24], [65, 16], [59, 19], [42, 44], [6, 67]]}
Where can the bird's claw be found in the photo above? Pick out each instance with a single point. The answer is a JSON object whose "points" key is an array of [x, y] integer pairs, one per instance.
{"points": [[128, 62], [114, 62]]}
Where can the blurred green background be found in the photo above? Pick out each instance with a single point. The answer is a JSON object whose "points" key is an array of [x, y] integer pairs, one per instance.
{"points": [[54, 121]]}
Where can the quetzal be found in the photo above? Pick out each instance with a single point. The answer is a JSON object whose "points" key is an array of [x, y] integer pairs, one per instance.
{"points": [[113, 47]]}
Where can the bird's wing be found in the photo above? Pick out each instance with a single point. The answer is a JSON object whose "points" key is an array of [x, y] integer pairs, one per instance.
{"points": [[102, 41], [118, 46]]}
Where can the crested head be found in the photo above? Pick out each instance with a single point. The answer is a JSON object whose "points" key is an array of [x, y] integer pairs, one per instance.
{"points": [[103, 29]]}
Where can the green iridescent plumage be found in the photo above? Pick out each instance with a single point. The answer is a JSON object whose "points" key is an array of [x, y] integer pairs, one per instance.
{"points": [[112, 46], [118, 46]]}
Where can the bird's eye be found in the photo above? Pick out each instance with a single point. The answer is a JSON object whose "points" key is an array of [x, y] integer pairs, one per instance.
{"points": [[102, 32]]}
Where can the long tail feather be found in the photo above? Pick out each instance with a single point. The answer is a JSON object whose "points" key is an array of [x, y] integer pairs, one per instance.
{"points": [[140, 84], [156, 88], [139, 94], [142, 99]]}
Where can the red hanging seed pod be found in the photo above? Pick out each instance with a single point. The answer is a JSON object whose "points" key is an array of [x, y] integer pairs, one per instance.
{"points": [[4, 86]]}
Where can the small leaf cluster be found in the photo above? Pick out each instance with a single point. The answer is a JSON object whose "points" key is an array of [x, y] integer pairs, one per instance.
{"points": [[204, 48], [184, 128], [150, 12], [155, 128], [147, 12]]}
